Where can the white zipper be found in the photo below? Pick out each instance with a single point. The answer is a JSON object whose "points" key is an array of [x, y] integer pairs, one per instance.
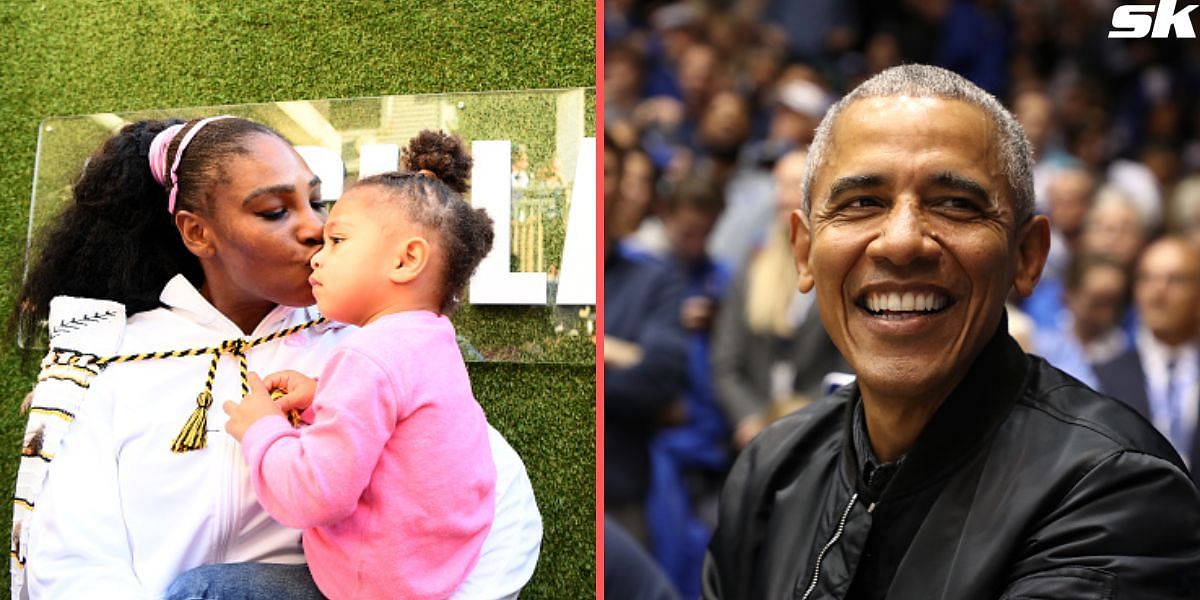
{"points": [[226, 451], [833, 540], [226, 508], [237, 503]]}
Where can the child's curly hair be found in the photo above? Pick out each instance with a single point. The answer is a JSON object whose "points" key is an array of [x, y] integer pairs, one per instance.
{"points": [[436, 169]]}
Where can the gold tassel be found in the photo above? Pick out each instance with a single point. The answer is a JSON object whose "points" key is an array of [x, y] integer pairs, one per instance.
{"points": [[193, 436], [293, 415]]}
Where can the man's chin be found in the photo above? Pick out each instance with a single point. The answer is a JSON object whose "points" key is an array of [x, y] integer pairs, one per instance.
{"points": [[913, 374]]}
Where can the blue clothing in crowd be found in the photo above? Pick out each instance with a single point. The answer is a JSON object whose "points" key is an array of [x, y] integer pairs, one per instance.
{"points": [[641, 303], [678, 536], [1062, 350], [630, 573]]}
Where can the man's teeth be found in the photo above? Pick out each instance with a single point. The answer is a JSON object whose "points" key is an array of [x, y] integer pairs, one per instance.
{"points": [[906, 302]]}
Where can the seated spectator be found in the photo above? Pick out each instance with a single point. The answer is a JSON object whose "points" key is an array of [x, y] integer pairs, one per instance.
{"points": [[644, 362], [1138, 183], [1035, 111], [1114, 228], [1159, 375], [723, 127], [1088, 331], [1068, 197], [1185, 209], [798, 107], [688, 461], [624, 78], [768, 346], [637, 219]]}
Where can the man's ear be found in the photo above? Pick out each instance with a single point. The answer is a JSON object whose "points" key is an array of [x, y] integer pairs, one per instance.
{"points": [[410, 258], [1033, 244], [196, 232], [801, 239]]}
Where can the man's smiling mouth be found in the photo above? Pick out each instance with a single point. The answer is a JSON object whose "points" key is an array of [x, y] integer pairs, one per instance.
{"points": [[904, 305]]}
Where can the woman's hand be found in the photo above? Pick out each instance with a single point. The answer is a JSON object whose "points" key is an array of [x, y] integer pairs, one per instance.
{"points": [[254, 406], [298, 389]]}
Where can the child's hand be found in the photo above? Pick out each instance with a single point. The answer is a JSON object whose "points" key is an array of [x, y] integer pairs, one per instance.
{"points": [[254, 406], [298, 389]]}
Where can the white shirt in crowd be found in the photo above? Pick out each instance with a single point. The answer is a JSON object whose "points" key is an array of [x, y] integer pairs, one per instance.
{"points": [[1176, 396]]}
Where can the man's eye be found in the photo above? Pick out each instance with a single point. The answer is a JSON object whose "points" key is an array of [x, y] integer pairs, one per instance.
{"points": [[319, 205], [273, 215], [863, 202], [959, 203]]}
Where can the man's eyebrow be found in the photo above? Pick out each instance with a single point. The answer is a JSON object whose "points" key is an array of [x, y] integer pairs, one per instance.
{"points": [[283, 188], [960, 183], [855, 182]]}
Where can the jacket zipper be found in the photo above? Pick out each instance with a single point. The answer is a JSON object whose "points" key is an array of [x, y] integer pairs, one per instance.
{"points": [[833, 540]]}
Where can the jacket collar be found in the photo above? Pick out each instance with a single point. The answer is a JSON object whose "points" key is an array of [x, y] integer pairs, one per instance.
{"points": [[963, 423]]}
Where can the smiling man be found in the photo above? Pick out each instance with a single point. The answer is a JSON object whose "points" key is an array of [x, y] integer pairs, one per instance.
{"points": [[956, 466]]}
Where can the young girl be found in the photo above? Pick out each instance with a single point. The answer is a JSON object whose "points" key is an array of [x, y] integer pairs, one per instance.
{"points": [[393, 480]]}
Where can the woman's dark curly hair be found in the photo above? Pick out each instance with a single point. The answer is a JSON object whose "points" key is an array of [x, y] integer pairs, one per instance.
{"points": [[436, 203], [116, 240]]}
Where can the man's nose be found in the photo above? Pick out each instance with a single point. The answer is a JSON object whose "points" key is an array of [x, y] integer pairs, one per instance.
{"points": [[904, 237]]}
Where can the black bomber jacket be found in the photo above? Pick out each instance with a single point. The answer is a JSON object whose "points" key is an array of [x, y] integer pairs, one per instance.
{"points": [[1031, 485]]}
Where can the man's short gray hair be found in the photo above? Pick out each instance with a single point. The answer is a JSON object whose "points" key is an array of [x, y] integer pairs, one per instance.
{"points": [[925, 81]]}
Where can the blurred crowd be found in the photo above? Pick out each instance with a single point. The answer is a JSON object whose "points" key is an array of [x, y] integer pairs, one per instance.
{"points": [[708, 109]]}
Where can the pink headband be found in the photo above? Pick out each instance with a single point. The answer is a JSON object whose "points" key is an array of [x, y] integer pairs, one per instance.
{"points": [[158, 155]]}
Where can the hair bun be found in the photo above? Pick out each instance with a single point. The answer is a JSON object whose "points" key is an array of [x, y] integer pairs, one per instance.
{"points": [[440, 155]]}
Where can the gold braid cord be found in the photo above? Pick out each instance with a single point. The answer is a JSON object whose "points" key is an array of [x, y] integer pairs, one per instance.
{"points": [[193, 436]]}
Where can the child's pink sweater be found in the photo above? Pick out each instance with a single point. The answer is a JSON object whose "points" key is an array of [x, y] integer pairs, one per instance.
{"points": [[393, 483]]}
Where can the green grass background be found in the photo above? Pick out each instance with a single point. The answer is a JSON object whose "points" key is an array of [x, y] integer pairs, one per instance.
{"points": [[60, 57]]}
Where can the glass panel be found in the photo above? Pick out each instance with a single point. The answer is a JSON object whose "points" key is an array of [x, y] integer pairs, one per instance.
{"points": [[533, 299]]}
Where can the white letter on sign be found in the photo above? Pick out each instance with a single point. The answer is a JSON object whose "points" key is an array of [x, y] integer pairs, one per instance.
{"points": [[327, 165], [491, 190], [374, 159], [577, 282]]}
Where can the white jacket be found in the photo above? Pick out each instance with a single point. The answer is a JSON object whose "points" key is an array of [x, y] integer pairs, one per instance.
{"points": [[121, 515]]}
